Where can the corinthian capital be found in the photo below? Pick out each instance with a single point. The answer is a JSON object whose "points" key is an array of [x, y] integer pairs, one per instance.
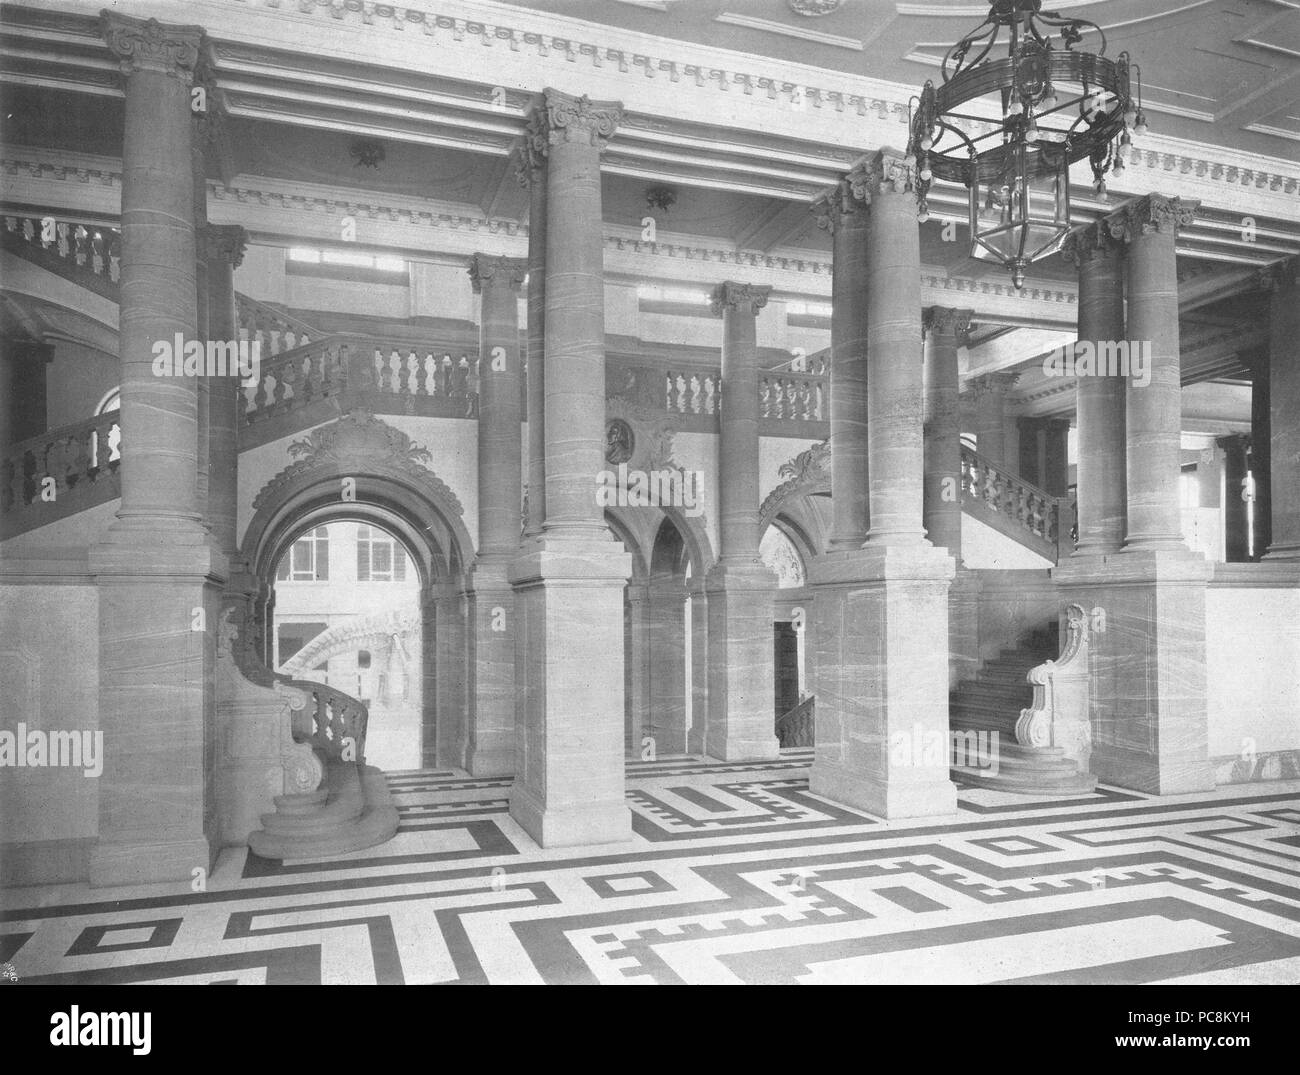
{"points": [[887, 171], [946, 321], [746, 298], [150, 45], [224, 242], [836, 203], [1153, 213], [565, 118], [487, 270], [529, 155], [1093, 241]]}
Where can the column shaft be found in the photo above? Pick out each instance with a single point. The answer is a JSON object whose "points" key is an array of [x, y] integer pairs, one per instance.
{"points": [[1284, 411], [740, 724], [531, 169], [1154, 409], [1101, 405], [946, 333], [569, 578], [490, 606], [846, 217]]}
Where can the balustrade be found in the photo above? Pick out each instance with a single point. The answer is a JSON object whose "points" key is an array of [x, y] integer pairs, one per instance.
{"points": [[1002, 493], [80, 252], [329, 720], [81, 460]]}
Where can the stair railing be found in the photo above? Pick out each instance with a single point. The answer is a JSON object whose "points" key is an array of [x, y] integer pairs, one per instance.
{"points": [[1020, 508], [87, 254], [60, 472]]}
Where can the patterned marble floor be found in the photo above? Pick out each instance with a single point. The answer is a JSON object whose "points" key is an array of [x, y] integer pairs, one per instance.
{"points": [[736, 874]]}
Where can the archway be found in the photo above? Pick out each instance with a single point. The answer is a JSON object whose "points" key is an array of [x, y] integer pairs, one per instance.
{"points": [[359, 471], [347, 614]]}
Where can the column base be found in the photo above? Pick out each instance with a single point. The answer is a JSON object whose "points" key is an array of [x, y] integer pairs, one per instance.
{"points": [[882, 682], [607, 822], [741, 724], [115, 864]]}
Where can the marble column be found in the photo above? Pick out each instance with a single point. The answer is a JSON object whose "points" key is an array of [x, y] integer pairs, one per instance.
{"points": [[1149, 227], [224, 246], [882, 684], [1054, 474], [845, 216], [946, 333], [741, 725], [199, 177], [1236, 523], [569, 578], [530, 168], [490, 747], [157, 569], [995, 437], [1148, 699], [1261, 458], [1100, 405], [699, 614], [447, 597], [636, 670], [1284, 410], [667, 664]]}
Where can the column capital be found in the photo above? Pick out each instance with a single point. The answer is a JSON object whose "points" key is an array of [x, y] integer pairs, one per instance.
{"points": [[745, 298], [560, 117], [883, 172], [988, 383], [488, 270], [150, 45], [1280, 275], [834, 203], [529, 155], [1090, 242], [947, 321], [1153, 213], [224, 242]]}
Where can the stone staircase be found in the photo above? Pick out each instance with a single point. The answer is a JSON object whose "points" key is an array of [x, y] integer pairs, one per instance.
{"points": [[991, 703], [351, 808]]}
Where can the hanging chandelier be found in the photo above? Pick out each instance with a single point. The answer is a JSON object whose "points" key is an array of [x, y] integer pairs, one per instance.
{"points": [[1058, 104]]}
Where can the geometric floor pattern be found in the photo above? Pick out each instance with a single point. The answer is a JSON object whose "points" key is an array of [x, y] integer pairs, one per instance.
{"points": [[736, 874]]}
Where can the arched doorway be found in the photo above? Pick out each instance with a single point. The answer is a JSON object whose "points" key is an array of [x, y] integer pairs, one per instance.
{"points": [[361, 473], [347, 614]]}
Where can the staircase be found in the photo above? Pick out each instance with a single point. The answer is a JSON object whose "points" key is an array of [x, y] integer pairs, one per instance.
{"points": [[992, 703], [352, 808], [795, 728]]}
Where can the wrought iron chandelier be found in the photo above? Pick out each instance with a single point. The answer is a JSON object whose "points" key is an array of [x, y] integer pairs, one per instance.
{"points": [[1058, 105]]}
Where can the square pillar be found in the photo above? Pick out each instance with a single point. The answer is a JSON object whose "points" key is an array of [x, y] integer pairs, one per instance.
{"points": [[882, 684]]}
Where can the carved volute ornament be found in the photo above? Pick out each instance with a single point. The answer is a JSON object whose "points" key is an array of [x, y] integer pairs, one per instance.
{"points": [[148, 45], [1153, 213], [745, 298]]}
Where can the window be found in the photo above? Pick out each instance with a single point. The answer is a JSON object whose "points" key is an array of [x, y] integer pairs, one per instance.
{"points": [[111, 402], [303, 255], [308, 560], [379, 556]]}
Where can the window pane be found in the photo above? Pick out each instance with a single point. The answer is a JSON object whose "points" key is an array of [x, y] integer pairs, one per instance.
{"points": [[382, 559], [322, 558], [363, 561], [301, 557], [399, 566]]}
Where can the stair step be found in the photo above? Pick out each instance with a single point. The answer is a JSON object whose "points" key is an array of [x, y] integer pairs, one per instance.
{"points": [[376, 823], [304, 802]]}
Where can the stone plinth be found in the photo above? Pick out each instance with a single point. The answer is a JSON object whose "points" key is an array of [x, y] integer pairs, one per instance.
{"points": [[1149, 715], [882, 682], [490, 668], [741, 723], [568, 785]]}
